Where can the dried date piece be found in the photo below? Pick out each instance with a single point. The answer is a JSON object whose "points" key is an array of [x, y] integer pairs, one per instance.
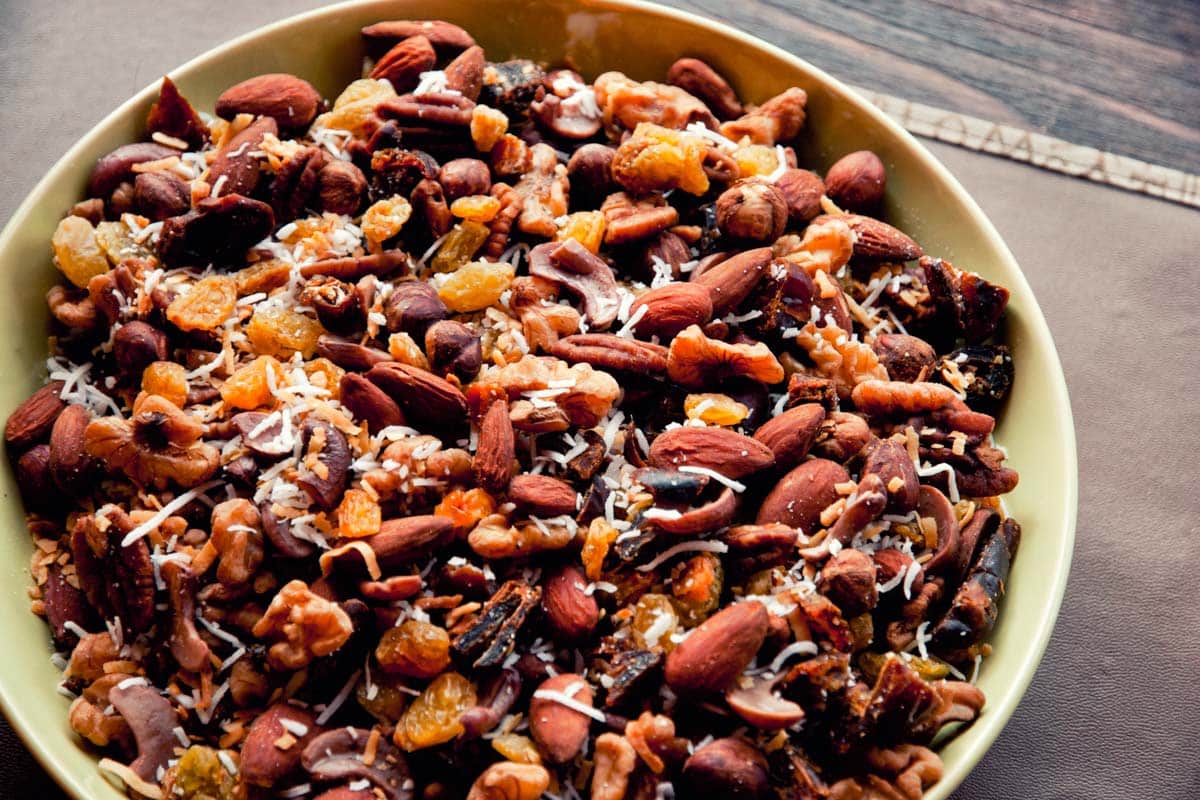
{"points": [[490, 638]]}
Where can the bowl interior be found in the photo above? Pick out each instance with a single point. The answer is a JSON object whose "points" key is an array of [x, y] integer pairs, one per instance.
{"points": [[641, 40]]}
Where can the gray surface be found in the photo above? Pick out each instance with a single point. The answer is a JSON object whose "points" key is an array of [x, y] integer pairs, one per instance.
{"points": [[1111, 714]]}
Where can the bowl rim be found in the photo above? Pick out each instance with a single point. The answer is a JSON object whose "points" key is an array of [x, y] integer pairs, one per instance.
{"points": [[986, 729]]}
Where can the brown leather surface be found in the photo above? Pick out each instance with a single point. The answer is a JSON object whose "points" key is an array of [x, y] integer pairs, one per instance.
{"points": [[1113, 712]]}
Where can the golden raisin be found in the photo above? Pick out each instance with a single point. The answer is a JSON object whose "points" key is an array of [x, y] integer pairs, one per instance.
{"points": [[383, 698], [460, 244], [279, 331], [585, 227], [117, 242], [262, 277], [168, 379], [755, 159], [355, 106], [206, 305], [654, 620], [416, 649], [715, 409], [465, 507], [516, 747], [385, 218], [324, 373], [248, 387], [600, 536], [77, 252], [476, 286], [436, 716], [477, 208], [696, 585], [487, 126], [358, 514], [658, 159], [404, 349]]}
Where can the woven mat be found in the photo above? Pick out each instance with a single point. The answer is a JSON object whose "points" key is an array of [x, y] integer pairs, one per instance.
{"points": [[1111, 714]]}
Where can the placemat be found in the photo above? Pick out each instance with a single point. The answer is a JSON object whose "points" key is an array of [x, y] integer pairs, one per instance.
{"points": [[1112, 712]]}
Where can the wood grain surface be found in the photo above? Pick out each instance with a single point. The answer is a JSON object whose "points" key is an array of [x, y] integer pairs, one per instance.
{"points": [[1118, 75]]}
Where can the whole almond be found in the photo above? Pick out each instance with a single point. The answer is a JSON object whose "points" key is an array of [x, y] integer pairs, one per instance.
{"points": [[403, 64], [571, 613], [159, 195], [292, 102], [422, 395], [718, 650], [802, 191], [731, 281], [446, 37], [34, 418], [561, 731], [494, 457], [791, 434], [237, 161], [729, 768], [857, 181], [800, 496], [877, 240], [889, 460], [262, 762], [465, 73], [671, 308], [542, 495], [406, 538], [725, 451], [369, 403], [68, 457]]}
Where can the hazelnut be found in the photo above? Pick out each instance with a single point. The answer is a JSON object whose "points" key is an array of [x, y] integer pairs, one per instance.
{"points": [[91, 209], [463, 177], [452, 347], [590, 173], [903, 356], [412, 307], [728, 768], [340, 187], [857, 181], [159, 195], [802, 191], [136, 345], [752, 209], [121, 201]]}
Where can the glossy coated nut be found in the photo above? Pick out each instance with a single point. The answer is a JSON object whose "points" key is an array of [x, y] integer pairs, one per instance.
{"points": [[463, 177], [340, 187], [136, 345], [453, 348], [34, 418], [798, 499], [159, 195], [727, 768], [857, 181]]}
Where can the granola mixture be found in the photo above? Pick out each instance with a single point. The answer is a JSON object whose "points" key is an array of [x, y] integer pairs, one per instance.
{"points": [[487, 432]]}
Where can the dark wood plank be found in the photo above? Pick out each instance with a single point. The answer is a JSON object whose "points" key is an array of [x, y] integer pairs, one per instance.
{"points": [[1123, 77]]}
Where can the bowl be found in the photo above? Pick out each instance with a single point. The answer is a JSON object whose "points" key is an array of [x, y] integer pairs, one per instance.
{"points": [[642, 40]]}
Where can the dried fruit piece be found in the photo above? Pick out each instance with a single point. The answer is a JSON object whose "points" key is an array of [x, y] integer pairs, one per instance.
{"points": [[476, 286], [657, 159], [249, 387], [459, 246], [715, 409], [77, 252], [358, 514], [355, 107], [436, 716], [206, 306], [415, 649], [385, 218], [279, 331]]}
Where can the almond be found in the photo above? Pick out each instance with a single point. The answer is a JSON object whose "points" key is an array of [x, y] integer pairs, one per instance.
{"points": [[292, 102], [791, 434], [406, 538], [368, 403], [725, 451], [543, 496], [561, 731], [446, 37], [718, 650], [422, 395], [262, 762], [876, 240], [68, 457], [465, 73], [34, 418], [731, 281], [403, 64], [671, 308], [236, 162], [571, 613], [889, 460], [856, 182], [798, 499], [494, 457]]}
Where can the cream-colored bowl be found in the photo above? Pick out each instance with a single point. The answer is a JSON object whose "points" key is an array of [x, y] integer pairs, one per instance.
{"points": [[642, 40]]}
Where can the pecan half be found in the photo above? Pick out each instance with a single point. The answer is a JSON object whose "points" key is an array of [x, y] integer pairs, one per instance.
{"points": [[610, 352]]}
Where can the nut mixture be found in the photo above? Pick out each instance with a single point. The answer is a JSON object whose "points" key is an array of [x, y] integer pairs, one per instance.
{"points": [[485, 432]]}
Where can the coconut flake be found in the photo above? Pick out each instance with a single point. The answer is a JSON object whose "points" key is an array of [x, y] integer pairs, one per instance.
{"points": [[338, 699], [684, 547], [166, 511], [806, 648], [716, 476]]}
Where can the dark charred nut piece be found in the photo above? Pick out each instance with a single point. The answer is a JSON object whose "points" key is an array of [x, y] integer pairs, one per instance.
{"points": [[172, 115], [420, 394], [369, 403], [752, 209], [495, 701], [848, 579], [353, 268], [761, 707], [632, 220], [116, 167], [802, 191], [462, 177], [807, 389], [542, 495], [904, 357], [454, 349], [590, 172], [511, 86], [216, 231], [890, 462], [934, 505], [65, 603], [731, 281], [290, 101], [337, 303], [35, 481], [987, 372], [465, 73], [699, 79], [975, 606], [729, 768], [395, 171], [412, 307], [32, 420], [490, 638], [973, 305], [610, 352], [632, 672], [337, 755], [585, 274], [158, 195], [979, 528], [236, 168], [403, 64], [152, 719], [791, 434], [447, 38], [69, 463], [899, 696], [340, 187], [672, 486], [856, 181], [325, 478], [187, 648], [350, 355], [295, 183], [429, 205]]}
